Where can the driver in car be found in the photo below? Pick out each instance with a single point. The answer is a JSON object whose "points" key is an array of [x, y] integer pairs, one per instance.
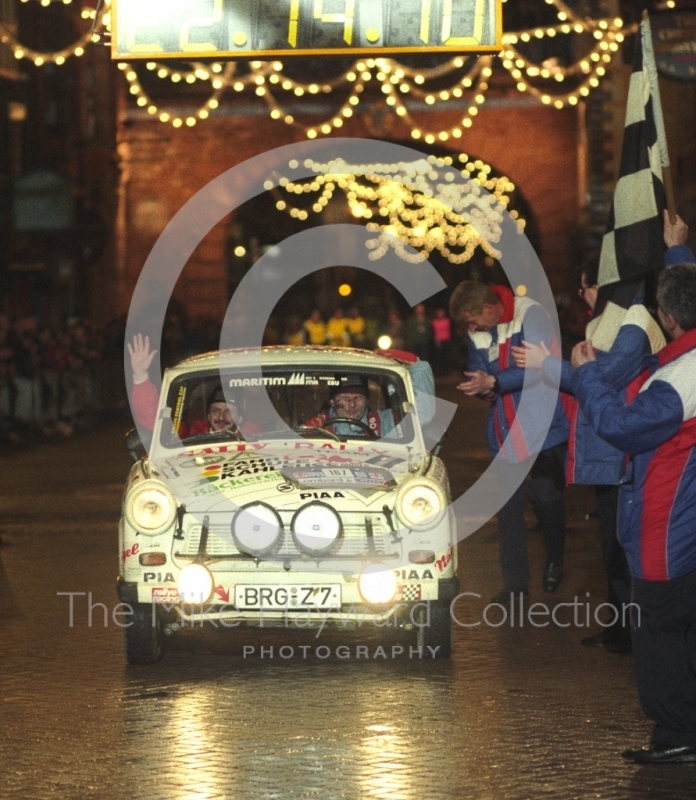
{"points": [[221, 414], [348, 401]]}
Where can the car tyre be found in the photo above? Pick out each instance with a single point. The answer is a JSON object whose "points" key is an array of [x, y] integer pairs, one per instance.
{"points": [[438, 634], [142, 637]]}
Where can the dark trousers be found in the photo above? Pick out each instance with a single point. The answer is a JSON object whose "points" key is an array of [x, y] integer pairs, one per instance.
{"points": [[547, 480], [664, 646], [613, 557]]}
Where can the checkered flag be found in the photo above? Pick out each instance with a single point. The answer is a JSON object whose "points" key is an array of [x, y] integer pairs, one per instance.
{"points": [[633, 244]]}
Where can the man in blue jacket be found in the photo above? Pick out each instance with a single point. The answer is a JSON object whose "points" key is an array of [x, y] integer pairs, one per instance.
{"points": [[497, 320], [657, 513], [590, 459]]}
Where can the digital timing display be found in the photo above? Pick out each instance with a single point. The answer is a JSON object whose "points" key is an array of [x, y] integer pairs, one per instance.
{"points": [[186, 29]]}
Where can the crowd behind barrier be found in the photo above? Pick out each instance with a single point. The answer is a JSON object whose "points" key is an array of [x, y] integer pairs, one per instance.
{"points": [[55, 380]]}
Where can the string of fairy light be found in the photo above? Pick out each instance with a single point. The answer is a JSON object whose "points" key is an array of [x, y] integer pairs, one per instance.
{"points": [[400, 84], [98, 20]]}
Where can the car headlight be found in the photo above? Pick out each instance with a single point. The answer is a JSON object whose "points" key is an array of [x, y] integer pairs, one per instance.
{"points": [[316, 528], [257, 529], [150, 507], [377, 584], [195, 584], [420, 504]]}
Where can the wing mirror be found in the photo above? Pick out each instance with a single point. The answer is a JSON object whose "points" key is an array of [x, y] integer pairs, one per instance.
{"points": [[134, 445]]}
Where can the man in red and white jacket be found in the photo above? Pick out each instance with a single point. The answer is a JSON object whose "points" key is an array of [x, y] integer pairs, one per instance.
{"points": [[657, 512], [497, 321]]}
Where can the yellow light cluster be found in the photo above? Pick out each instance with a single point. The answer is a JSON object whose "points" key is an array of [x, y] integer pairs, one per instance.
{"points": [[77, 48], [423, 205]]}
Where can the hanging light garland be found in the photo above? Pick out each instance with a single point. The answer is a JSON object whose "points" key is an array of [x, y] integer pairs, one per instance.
{"points": [[100, 19], [422, 205], [399, 83]]}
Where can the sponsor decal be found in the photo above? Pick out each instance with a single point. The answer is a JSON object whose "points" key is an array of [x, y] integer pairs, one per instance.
{"points": [[248, 468], [409, 594], [166, 577], [413, 574], [321, 495], [179, 407], [250, 447], [369, 477], [301, 379], [231, 485], [165, 594], [131, 551], [216, 467], [285, 487], [444, 560], [258, 381]]}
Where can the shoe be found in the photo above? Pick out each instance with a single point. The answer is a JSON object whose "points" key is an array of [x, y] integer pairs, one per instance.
{"points": [[613, 643], [603, 639], [553, 576], [504, 596], [662, 754], [63, 428]]}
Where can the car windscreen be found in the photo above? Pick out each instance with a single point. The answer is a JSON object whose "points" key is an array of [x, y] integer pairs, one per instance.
{"points": [[317, 403]]}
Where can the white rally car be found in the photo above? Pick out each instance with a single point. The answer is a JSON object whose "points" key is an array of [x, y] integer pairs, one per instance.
{"points": [[297, 517]]}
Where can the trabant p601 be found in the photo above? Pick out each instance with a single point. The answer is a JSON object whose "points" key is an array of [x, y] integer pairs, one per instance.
{"points": [[300, 507]]}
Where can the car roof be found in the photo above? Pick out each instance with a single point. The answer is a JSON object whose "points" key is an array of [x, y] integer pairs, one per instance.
{"points": [[293, 357]]}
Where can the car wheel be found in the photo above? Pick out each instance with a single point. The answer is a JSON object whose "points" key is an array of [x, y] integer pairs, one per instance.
{"points": [[436, 633], [142, 636]]}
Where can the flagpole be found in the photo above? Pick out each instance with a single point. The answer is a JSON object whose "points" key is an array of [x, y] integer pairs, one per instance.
{"points": [[651, 69], [669, 194]]}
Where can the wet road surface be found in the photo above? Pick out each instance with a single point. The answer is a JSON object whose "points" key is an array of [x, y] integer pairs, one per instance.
{"points": [[518, 713]]}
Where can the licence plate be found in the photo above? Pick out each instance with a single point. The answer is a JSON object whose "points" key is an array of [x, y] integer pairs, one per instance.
{"points": [[255, 596]]}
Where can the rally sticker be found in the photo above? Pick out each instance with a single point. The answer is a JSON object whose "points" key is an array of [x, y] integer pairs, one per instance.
{"points": [[341, 475], [165, 594], [208, 488]]}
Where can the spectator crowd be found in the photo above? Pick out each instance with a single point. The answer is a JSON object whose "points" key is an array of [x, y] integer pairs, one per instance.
{"points": [[53, 378]]}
